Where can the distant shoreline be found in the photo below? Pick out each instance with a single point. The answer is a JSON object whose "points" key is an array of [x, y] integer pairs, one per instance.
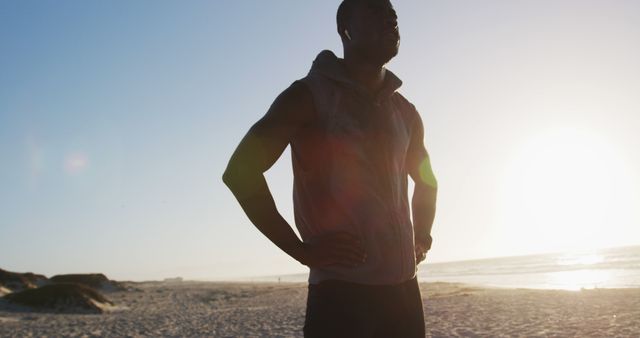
{"points": [[610, 268]]}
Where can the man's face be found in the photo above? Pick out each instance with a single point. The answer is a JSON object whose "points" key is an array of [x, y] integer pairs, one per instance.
{"points": [[374, 30]]}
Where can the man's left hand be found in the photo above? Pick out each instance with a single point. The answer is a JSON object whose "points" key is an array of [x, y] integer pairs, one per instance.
{"points": [[421, 253]]}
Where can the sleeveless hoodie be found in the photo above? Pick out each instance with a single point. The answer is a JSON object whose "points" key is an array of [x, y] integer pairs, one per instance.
{"points": [[350, 173]]}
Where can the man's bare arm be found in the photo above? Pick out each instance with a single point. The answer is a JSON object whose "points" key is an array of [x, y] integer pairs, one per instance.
{"points": [[256, 153], [423, 204]]}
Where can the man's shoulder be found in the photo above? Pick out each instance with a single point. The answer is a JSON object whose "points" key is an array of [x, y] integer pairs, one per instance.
{"points": [[407, 108], [298, 92], [294, 105]]}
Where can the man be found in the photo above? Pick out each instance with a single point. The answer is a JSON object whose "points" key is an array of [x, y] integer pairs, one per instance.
{"points": [[354, 140]]}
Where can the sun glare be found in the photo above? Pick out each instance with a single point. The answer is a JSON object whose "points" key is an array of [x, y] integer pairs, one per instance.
{"points": [[578, 279], [563, 188], [588, 259]]}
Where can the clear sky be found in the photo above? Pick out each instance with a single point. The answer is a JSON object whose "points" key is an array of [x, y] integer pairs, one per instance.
{"points": [[117, 119]]}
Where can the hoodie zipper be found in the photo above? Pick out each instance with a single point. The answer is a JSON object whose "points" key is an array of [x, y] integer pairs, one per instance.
{"points": [[395, 220]]}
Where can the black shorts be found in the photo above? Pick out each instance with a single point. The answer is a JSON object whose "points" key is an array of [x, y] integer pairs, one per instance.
{"points": [[344, 309]]}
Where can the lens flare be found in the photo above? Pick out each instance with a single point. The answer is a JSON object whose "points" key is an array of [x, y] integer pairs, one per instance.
{"points": [[76, 163]]}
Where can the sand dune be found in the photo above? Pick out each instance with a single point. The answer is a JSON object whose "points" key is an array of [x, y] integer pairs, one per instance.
{"points": [[20, 281], [73, 293], [272, 309], [59, 298], [16, 281], [4, 291], [96, 281]]}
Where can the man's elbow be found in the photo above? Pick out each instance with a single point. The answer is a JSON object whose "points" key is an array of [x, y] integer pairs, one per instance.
{"points": [[230, 177], [426, 190], [425, 180], [226, 178], [239, 178], [433, 186], [425, 175]]}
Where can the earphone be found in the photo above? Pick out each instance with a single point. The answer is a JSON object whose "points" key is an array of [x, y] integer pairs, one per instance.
{"points": [[346, 32]]}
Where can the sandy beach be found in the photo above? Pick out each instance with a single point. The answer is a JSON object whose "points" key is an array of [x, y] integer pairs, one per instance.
{"points": [[198, 309]]}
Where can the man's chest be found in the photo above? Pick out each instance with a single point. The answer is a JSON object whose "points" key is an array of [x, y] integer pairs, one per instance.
{"points": [[368, 129]]}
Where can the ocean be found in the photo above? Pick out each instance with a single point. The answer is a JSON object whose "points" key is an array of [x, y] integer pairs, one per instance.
{"points": [[604, 268]]}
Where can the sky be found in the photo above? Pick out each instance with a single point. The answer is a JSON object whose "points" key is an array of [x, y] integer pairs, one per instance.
{"points": [[117, 120]]}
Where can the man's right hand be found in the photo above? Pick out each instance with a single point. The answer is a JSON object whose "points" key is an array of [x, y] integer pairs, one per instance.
{"points": [[341, 248]]}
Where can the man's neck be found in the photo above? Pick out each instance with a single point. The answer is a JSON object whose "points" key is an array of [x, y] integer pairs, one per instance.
{"points": [[369, 75]]}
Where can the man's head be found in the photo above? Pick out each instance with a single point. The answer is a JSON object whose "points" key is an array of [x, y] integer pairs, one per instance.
{"points": [[369, 28]]}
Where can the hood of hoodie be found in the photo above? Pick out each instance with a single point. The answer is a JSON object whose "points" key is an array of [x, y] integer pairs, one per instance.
{"points": [[327, 64]]}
